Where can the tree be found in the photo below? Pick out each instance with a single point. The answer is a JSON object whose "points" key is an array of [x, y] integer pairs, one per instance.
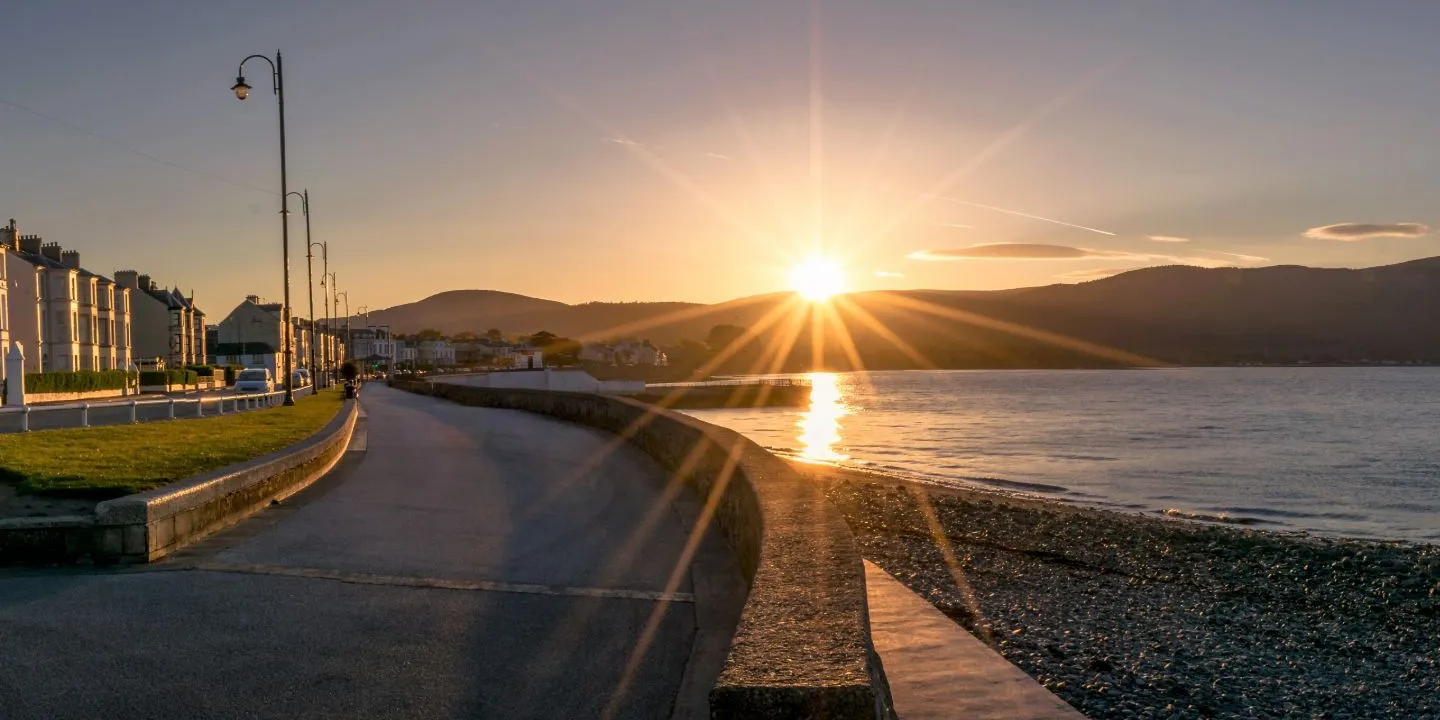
{"points": [[429, 334], [465, 336], [723, 336], [494, 335], [542, 338], [349, 370]]}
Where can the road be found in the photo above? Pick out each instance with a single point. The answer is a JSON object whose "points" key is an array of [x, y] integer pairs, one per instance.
{"points": [[459, 562]]}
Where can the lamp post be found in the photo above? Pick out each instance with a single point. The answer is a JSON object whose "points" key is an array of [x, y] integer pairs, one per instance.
{"points": [[348, 348], [310, 282], [327, 281], [242, 91]]}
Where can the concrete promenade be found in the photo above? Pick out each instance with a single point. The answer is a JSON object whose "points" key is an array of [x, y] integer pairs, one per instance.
{"points": [[459, 562]]}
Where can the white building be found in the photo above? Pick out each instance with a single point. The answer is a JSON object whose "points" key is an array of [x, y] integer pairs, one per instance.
{"points": [[438, 353], [64, 317]]}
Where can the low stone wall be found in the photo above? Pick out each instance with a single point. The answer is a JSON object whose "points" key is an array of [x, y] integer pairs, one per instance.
{"points": [[146, 526], [802, 648], [33, 398]]}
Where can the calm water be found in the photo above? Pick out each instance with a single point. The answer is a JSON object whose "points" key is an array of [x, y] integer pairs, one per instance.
{"points": [[1343, 451]]}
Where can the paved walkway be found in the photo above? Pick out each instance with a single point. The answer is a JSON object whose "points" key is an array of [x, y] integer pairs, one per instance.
{"points": [[460, 562]]}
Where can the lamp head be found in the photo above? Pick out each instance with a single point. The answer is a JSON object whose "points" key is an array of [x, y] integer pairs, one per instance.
{"points": [[242, 90]]}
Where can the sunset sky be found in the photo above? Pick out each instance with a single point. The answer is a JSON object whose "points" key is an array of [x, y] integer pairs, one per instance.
{"points": [[685, 150]]}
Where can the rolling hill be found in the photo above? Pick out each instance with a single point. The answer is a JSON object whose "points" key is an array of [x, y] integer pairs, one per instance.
{"points": [[1162, 315]]}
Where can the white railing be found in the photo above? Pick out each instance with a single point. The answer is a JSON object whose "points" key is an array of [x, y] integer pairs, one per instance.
{"points": [[176, 407]]}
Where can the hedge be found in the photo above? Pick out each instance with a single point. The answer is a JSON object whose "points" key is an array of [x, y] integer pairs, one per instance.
{"points": [[75, 382], [203, 371], [168, 377]]}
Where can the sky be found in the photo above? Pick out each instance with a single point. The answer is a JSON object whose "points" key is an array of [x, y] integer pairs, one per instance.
{"points": [[698, 150]]}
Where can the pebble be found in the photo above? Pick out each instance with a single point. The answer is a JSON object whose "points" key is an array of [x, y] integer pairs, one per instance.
{"points": [[1130, 616]]}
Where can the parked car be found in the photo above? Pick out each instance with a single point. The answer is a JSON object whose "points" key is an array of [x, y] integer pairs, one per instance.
{"points": [[254, 380], [300, 378]]}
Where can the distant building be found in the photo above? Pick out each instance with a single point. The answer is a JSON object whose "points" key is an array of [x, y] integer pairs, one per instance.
{"points": [[167, 325], [438, 353]]}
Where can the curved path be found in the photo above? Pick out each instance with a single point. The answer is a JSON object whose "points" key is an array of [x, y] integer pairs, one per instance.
{"points": [[460, 562]]}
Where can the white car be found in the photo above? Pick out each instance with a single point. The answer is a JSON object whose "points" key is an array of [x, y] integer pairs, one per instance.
{"points": [[254, 380], [300, 378]]}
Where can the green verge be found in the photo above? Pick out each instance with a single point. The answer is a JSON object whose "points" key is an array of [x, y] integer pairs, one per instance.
{"points": [[108, 462]]}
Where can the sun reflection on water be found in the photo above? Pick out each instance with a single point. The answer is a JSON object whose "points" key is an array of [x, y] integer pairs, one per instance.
{"points": [[820, 425]]}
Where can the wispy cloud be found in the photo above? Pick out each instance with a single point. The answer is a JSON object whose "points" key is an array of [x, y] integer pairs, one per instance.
{"points": [[1242, 258], [718, 156], [1017, 213], [1166, 239], [622, 141], [955, 225], [1351, 232], [888, 274], [1019, 251]]}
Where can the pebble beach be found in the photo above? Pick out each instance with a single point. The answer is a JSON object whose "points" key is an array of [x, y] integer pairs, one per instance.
{"points": [[1133, 616]]}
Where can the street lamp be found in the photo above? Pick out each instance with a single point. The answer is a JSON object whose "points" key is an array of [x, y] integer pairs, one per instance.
{"points": [[348, 344], [327, 281], [242, 91], [310, 282]]}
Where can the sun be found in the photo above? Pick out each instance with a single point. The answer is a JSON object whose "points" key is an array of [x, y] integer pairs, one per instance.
{"points": [[817, 279]]}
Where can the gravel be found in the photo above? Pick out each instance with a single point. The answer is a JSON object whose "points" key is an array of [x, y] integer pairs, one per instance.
{"points": [[1129, 616]]}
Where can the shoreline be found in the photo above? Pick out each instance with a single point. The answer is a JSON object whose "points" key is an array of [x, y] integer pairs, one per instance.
{"points": [[1128, 614], [1017, 492]]}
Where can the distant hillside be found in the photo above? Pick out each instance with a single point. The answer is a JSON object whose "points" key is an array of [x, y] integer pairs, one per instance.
{"points": [[1179, 315]]}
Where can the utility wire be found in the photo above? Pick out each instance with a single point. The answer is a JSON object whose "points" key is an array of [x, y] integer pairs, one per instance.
{"points": [[123, 146]]}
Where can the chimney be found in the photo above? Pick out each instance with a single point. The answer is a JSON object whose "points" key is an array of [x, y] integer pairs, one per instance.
{"points": [[10, 236], [70, 259], [252, 299], [145, 282], [30, 244], [127, 279], [51, 250]]}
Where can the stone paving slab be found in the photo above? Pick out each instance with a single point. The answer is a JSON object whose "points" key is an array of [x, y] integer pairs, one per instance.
{"points": [[939, 671]]}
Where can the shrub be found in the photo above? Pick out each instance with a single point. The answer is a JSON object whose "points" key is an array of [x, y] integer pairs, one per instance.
{"points": [[203, 371], [231, 371], [75, 382], [168, 377], [349, 370]]}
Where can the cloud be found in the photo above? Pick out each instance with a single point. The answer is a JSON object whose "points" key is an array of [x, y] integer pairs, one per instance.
{"points": [[1351, 232], [954, 225], [1166, 239], [888, 274], [622, 141], [1243, 258], [1019, 251], [718, 156]]}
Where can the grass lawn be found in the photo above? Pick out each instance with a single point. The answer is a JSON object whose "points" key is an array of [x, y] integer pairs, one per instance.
{"points": [[107, 462]]}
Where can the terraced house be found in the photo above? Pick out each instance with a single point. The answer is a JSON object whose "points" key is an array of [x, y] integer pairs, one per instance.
{"points": [[168, 325], [64, 317]]}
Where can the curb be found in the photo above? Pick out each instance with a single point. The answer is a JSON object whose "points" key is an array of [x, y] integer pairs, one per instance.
{"points": [[147, 526]]}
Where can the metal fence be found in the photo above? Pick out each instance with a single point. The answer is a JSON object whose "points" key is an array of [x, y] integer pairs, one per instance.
{"points": [[173, 408]]}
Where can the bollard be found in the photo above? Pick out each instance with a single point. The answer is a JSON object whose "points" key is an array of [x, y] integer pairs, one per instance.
{"points": [[220, 407], [84, 414], [199, 407], [132, 412], [25, 419], [171, 414]]}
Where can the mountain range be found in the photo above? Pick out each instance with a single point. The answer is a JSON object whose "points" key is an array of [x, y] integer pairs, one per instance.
{"points": [[1160, 315]]}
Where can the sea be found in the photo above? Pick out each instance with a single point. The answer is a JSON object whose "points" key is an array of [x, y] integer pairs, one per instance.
{"points": [[1352, 452]]}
